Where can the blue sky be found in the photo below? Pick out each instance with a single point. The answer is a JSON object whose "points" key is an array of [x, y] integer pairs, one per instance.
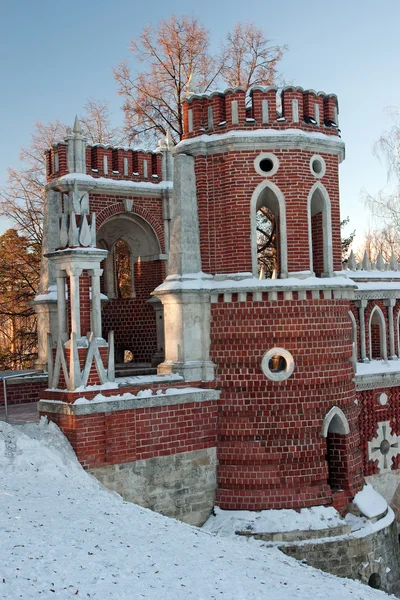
{"points": [[53, 56]]}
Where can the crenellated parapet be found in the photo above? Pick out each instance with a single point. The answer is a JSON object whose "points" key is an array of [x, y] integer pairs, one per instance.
{"points": [[74, 155], [260, 108]]}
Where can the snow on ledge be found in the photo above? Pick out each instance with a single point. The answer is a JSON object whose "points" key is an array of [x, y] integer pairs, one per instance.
{"points": [[369, 502], [259, 133], [103, 182], [141, 394], [378, 367], [227, 522], [203, 281]]}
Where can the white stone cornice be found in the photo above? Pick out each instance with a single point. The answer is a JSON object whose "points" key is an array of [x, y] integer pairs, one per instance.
{"points": [[115, 187], [262, 139], [200, 283], [361, 295]]}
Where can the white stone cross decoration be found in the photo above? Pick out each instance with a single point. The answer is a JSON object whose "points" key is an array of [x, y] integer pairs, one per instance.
{"points": [[384, 447]]}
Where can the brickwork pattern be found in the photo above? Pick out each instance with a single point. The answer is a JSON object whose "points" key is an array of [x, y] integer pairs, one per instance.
{"points": [[198, 122], [372, 413], [225, 184], [132, 319], [23, 391], [121, 163], [137, 434], [271, 452]]}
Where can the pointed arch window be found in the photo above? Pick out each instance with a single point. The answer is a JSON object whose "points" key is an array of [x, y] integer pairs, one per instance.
{"points": [[320, 231], [123, 272], [336, 429], [268, 232], [377, 335], [267, 243]]}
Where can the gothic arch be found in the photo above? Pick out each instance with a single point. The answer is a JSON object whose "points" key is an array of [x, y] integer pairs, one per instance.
{"points": [[319, 201], [118, 209], [335, 422], [376, 317], [268, 194], [398, 332], [137, 234], [354, 339]]}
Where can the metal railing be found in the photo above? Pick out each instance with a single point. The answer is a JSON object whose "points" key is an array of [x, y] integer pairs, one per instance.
{"points": [[4, 378]]}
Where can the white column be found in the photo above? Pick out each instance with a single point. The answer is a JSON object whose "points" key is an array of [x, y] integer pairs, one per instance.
{"points": [[96, 301], [390, 302], [61, 305], [74, 300], [361, 304]]}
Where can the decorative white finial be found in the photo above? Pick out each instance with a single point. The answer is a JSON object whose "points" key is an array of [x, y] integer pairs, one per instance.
{"points": [[168, 139], [192, 86], [351, 263], [366, 265], [77, 126], [380, 263]]}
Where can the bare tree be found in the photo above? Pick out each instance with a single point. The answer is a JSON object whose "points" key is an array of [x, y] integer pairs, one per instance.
{"points": [[22, 202], [249, 57], [175, 55], [19, 276], [384, 240], [96, 124], [386, 204]]}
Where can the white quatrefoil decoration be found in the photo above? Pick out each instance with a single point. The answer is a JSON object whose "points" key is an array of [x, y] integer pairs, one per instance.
{"points": [[384, 447]]}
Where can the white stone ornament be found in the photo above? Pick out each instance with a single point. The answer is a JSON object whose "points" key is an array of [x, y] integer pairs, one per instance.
{"points": [[384, 447], [383, 399]]}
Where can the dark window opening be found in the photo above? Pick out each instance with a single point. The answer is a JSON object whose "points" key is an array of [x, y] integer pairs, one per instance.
{"points": [[375, 581], [267, 246], [266, 165], [123, 270], [277, 364]]}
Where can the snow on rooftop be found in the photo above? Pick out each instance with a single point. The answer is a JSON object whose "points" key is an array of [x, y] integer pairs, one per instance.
{"points": [[64, 536]]}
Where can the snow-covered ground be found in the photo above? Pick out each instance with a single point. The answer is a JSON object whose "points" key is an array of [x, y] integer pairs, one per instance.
{"points": [[64, 536]]}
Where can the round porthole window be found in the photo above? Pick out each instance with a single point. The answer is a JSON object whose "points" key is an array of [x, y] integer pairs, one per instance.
{"points": [[266, 164], [317, 166], [277, 364]]}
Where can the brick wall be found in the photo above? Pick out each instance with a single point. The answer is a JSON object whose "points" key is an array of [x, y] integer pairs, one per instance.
{"points": [[150, 209], [24, 390], [132, 319], [317, 244], [372, 413], [225, 184], [271, 452], [130, 435]]}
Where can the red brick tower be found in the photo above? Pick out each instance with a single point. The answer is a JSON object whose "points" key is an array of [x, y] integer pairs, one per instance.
{"points": [[282, 345]]}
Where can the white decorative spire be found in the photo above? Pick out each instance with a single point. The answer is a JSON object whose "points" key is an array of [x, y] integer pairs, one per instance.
{"points": [[366, 265], [168, 139], [380, 263], [77, 125], [351, 263]]}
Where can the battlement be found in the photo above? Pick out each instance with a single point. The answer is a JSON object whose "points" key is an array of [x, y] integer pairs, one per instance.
{"points": [[111, 162], [234, 109], [74, 155]]}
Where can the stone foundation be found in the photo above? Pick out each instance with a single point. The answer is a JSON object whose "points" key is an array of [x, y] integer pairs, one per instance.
{"points": [[355, 557], [179, 485]]}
